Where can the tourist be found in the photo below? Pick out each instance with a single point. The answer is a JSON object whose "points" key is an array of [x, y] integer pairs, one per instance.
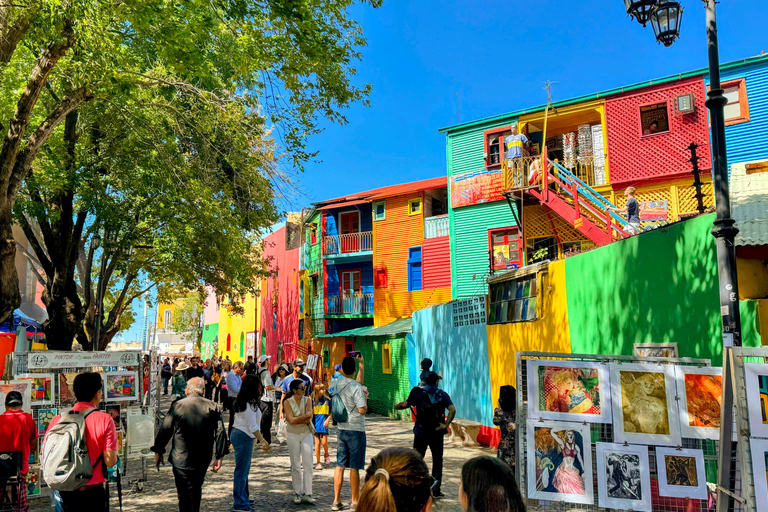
{"points": [[426, 365], [397, 480], [488, 485], [351, 441], [247, 427], [505, 417], [632, 210], [208, 379], [515, 142], [222, 389], [100, 439], [321, 420], [431, 425], [234, 381], [268, 398], [18, 433], [195, 426], [298, 414], [336, 375], [298, 373], [278, 377], [195, 368], [166, 374], [179, 382]]}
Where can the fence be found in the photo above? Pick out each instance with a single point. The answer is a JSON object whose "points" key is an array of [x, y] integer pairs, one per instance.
{"points": [[348, 243], [350, 304], [605, 448], [435, 227]]}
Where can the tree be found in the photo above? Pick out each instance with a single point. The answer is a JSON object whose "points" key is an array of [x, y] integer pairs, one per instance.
{"points": [[187, 319]]}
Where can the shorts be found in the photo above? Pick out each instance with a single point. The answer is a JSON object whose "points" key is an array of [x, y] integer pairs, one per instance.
{"points": [[321, 435], [350, 449]]}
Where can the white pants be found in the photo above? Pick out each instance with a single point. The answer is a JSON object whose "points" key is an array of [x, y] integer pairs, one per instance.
{"points": [[300, 447]]}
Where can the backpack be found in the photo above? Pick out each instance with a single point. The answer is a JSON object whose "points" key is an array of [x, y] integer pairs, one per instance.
{"points": [[339, 413], [432, 412], [66, 464]]}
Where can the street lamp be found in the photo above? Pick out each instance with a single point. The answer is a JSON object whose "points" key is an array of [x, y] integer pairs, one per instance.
{"points": [[665, 20], [640, 9]]}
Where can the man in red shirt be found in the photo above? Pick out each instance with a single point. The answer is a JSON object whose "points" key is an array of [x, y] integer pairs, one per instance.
{"points": [[101, 439], [18, 433]]}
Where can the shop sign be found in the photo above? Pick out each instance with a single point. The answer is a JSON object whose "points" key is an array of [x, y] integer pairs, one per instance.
{"points": [[53, 359], [476, 187], [653, 210], [756, 167]]}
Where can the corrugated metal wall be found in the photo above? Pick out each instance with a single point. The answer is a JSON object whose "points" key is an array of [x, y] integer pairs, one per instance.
{"points": [[467, 152], [436, 262]]}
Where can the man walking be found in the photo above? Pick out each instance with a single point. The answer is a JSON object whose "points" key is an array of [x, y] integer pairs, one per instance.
{"points": [[208, 379], [166, 373], [250, 366], [431, 424], [18, 433], [195, 426], [234, 381], [267, 399], [350, 450]]}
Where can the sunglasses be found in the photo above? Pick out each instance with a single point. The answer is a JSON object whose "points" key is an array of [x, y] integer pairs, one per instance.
{"points": [[300, 389]]}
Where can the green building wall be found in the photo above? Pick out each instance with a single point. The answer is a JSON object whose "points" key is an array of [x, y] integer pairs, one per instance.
{"points": [[385, 390], [210, 331], [313, 264]]}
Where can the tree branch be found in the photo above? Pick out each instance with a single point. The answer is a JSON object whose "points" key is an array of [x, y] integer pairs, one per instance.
{"points": [[37, 246], [10, 39], [34, 261]]}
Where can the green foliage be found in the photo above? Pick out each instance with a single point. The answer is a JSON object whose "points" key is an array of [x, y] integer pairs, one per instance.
{"points": [[187, 318]]}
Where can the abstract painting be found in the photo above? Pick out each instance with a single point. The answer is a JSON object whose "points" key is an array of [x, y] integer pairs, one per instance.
{"points": [[681, 473], [759, 449], [559, 462], [656, 350], [568, 390], [623, 477], [42, 387], [756, 376], [644, 406], [44, 417], [121, 386], [22, 386], [700, 391]]}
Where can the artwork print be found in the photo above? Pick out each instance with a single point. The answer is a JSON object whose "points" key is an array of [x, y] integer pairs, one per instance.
{"points": [[700, 392], [44, 417], [569, 390], [33, 482], [756, 377], [559, 462], [644, 406], [22, 386], [114, 411], [66, 389], [681, 473], [759, 449], [623, 477], [121, 386], [42, 387], [656, 349]]}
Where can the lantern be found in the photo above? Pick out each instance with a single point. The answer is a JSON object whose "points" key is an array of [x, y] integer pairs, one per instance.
{"points": [[640, 9], [665, 19]]}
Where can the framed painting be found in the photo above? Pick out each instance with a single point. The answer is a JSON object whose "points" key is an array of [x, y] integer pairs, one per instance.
{"points": [[559, 462], [114, 411], [121, 386], [681, 473], [644, 405], [623, 477], [66, 389], [568, 390], [756, 377], [119, 443], [34, 452], [700, 392], [22, 386], [759, 449], [656, 350], [44, 417], [42, 387]]}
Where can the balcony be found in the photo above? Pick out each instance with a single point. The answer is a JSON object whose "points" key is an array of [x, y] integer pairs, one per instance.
{"points": [[435, 227], [348, 245], [350, 304], [517, 171]]}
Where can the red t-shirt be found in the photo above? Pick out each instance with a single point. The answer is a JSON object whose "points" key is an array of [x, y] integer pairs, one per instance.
{"points": [[100, 436], [18, 432]]}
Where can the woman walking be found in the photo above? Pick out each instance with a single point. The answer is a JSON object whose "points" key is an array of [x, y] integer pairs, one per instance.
{"points": [[245, 429], [298, 414], [179, 382]]}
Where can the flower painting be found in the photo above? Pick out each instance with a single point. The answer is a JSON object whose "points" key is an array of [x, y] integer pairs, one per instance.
{"points": [[568, 390], [44, 417]]}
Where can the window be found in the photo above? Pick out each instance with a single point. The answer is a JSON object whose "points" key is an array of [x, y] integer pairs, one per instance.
{"points": [[494, 145], [301, 297], [326, 357], [313, 234], [437, 207], [381, 278], [379, 210], [315, 284], [350, 282], [349, 346], [414, 269], [167, 318], [414, 206], [737, 109], [654, 119], [301, 329], [386, 359], [514, 300], [505, 247], [350, 222], [229, 342]]}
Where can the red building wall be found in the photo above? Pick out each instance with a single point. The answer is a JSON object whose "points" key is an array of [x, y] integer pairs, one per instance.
{"points": [[436, 262], [635, 158]]}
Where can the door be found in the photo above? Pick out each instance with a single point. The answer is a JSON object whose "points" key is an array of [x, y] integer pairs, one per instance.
{"points": [[351, 296], [350, 226], [414, 269]]}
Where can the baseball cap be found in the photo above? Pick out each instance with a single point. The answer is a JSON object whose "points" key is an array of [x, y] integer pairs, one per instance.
{"points": [[299, 362], [337, 367], [13, 398], [432, 378], [263, 358]]}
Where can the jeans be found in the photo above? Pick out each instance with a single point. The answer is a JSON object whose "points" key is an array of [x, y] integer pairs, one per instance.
{"points": [[300, 448], [92, 500], [165, 385], [433, 440], [243, 444], [189, 486], [350, 449], [266, 420]]}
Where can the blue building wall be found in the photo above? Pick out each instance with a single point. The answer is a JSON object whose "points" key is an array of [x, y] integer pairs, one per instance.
{"points": [[332, 218], [334, 276]]}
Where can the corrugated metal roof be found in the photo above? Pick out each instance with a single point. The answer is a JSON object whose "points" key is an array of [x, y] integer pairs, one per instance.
{"points": [[347, 203], [399, 326], [377, 193], [749, 204]]}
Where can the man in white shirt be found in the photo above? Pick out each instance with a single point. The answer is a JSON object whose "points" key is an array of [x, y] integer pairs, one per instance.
{"points": [[350, 450], [267, 399]]}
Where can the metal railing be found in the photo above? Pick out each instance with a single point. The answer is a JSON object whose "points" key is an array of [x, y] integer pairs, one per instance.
{"points": [[349, 243], [436, 226], [518, 174], [350, 304]]}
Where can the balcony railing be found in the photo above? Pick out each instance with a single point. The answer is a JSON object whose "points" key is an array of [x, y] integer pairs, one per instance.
{"points": [[350, 304], [518, 175], [349, 243], [436, 226]]}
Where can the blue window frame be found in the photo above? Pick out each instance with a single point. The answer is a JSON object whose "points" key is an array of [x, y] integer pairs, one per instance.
{"points": [[414, 268], [301, 297]]}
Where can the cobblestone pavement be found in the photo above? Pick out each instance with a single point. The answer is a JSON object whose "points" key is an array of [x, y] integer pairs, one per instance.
{"points": [[270, 480]]}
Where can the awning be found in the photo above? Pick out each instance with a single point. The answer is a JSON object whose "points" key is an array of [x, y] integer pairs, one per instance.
{"points": [[399, 326], [19, 318], [518, 272]]}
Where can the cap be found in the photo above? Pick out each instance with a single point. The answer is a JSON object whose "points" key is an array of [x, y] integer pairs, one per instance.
{"points": [[337, 367], [299, 362], [263, 358], [431, 378], [13, 398]]}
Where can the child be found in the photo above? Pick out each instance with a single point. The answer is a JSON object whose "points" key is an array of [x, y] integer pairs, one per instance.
{"points": [[321, 419]]}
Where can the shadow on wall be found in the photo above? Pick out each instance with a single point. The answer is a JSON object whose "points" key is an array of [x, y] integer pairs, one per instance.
{"points": [[460, 356], [385, 389]]}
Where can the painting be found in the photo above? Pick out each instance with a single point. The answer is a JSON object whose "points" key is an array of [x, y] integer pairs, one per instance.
{"points": [[568, 390], [623, 477], [121, 386], [114, 411], [560, 457], [44, 417], [759, 449], [756, 376], [656, 349], [33, 482], [681, 473], [34, 453], [644, 406], [66, 389], [119, 443], [700, 391], [42, 387], [22, 386]]}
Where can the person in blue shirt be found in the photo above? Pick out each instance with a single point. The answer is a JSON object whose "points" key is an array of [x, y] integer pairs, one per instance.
{"points": [[234, 382], [332, 387], [514, 143], [321, 419]]}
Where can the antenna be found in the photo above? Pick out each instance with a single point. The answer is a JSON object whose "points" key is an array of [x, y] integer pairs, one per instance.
{"points": [[548, 87]]}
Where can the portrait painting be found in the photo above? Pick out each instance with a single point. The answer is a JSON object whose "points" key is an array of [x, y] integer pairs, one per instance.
{"points": [[121, 386], [681, 473], [756, 377], [644, 406], [42, 387], [66, 389], [666, 350], [44, 417], [759, 450], [559, 462], [700, 392], [623, 477], [22, 386]]}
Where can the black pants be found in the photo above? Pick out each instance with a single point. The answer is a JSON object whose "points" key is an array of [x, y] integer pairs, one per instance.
{"points": [[230, 406], [434, 441], [92, 500], [189, 486], [209, 391], [267, 410]]}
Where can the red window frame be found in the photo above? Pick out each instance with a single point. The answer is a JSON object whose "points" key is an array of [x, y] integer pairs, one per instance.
{"points": [[342, 218], [313, 234], [743, 117], [358, 273], [486, 148], [508, 231], [381, 278]]}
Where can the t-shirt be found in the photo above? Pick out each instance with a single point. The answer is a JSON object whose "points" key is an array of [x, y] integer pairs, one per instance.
{"points": [[287, 382], [632, 210], [100, 436], [266, 380], [18, 432], [332, 387], [322, 411], [514, 144], [440, 401], [234, 382], [351, 393], [250, 368], [248, 421]]}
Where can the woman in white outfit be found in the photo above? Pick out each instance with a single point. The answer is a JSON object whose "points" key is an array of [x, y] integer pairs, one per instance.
{"points": [[298, 414]]}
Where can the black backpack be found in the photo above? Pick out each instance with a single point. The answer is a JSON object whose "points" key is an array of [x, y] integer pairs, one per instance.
{"points": [[432, 412]]}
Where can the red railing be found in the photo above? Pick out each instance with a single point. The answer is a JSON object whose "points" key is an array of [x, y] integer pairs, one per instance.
{"points": [[349, 243]]}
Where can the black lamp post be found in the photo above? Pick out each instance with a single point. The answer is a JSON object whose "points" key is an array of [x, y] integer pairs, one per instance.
{"points": [[665, 17]]}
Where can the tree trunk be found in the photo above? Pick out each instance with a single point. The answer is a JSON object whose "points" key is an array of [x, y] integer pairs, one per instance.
{"points": [[10, 296]]}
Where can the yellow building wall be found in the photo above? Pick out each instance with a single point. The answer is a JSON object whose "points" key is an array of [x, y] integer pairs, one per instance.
{"points": [[237, 327], [753, 279], [162, 308], [679, 194], [389, 306], [547, 334]]}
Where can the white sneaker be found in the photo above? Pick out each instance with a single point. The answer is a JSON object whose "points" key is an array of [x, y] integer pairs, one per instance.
{"points": [[318, 467], [308, 499], [297, 500]]}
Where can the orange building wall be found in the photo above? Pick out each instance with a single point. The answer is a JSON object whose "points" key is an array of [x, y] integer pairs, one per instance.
{"points": [[338, 351]]}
